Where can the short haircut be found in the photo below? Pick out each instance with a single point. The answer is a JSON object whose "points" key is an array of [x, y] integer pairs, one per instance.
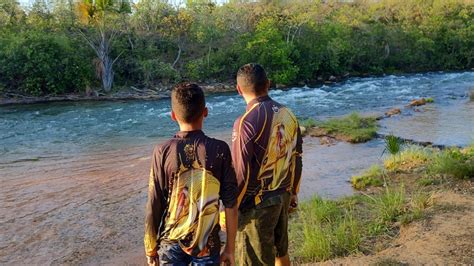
{"points": [[253, 78], [187, 102]]}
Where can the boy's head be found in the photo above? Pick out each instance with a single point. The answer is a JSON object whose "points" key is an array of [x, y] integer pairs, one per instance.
{"points": [[188, 104], [252, 80]]}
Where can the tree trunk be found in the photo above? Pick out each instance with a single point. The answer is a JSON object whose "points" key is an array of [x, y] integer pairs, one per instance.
{"points": [[107, 73], [177, 56]]}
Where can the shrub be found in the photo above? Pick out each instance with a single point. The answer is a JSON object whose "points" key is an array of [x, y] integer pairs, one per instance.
{"points": [[307, 123], [392, 144], [37, 63], [154, 71]]}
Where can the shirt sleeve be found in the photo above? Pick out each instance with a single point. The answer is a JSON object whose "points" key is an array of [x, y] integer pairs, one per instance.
{"points": [[155, 206], [298, 162], [242, 153], [228, 192]]}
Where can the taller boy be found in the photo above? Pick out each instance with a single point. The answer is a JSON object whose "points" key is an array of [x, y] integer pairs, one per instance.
{"points": [[190, 173], [266, 151]]}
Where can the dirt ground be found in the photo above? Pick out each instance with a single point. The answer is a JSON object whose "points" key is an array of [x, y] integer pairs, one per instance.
{"points": [[445, 237]]}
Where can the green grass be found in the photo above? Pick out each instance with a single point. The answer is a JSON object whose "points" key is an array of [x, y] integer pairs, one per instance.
{"points": [[454, 162], [325, 229], [429, 100], [393, 144], [428, 181], [408, 159], [371, 177], [307, 123], [352, 128]]}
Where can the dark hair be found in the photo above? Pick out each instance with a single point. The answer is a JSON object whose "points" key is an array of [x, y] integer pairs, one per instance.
{"points": [[253, 77], [187, 101]]}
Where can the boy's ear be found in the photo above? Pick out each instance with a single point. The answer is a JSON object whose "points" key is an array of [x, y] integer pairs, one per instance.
{"points": [[173, 116], [239, 90], [206, 112]]}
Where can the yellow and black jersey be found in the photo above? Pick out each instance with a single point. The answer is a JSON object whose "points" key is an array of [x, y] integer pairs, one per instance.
{"points": [[266, 151], [189, 175]]}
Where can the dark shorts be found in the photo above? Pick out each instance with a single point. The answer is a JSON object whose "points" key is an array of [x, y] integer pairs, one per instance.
{"points": [[171, 254], [263, 232]]}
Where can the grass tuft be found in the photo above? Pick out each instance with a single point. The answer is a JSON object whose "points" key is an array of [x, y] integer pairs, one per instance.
{"points": [[408, 159], [393, 144], [352, 128], [371, 177], [454, 162], [429, 100], [324, 229], [308, 123]]}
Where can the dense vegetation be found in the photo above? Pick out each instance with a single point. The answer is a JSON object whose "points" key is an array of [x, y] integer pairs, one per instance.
{"points": [[63, 46]]}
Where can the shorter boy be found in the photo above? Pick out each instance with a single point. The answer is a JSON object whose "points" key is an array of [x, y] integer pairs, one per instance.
{"points": [[190, 173]]}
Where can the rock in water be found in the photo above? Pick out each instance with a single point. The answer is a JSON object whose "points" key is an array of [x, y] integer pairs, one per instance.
{"points": [[392, 112], [418, 102]]}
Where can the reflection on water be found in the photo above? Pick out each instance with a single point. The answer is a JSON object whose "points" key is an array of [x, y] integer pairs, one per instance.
{"points": [[446, 125], [74, 175]]}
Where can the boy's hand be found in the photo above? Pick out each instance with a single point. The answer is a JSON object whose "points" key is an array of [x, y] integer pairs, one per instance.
{"points": [[293, 203], [152, 261], [227, 258]]}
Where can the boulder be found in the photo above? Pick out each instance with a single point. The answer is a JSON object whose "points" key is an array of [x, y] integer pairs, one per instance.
{"points": [[418, 102], [392, 112], [327, 141]]}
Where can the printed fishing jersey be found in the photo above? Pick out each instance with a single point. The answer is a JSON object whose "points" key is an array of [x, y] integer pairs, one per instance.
{"points": [[189, 175], [266, 151]]}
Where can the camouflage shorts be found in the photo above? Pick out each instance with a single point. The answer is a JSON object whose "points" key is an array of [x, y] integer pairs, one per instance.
{"points": [[263, 232]]}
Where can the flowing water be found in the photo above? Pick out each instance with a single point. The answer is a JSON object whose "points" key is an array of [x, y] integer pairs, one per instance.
{"points": [[74, 175]]}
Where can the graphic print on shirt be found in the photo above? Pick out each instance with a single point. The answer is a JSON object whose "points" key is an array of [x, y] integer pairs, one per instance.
{"points": [[193, 206], [274, 171]]}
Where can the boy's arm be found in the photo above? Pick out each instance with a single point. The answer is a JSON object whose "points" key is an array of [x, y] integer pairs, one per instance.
{"points": [[228, 195], [231, 219], [242, 153], [298, 163], [155, 205]]}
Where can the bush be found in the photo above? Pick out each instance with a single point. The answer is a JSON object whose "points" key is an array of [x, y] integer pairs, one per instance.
{"points": [[38, 64], [154, 71]]}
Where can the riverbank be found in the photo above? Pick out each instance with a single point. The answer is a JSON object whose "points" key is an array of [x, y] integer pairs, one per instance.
{"points": [[421, 215]]}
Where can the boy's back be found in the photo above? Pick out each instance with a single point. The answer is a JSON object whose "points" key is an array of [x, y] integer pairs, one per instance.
{"points": [[190, 173]]}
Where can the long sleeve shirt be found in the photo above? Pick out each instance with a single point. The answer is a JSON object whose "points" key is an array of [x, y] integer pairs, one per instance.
{"points": [[189, 175], [266, 152]]}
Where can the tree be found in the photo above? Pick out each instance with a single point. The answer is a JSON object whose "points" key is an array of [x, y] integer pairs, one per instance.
{"points": [[105, 18]]}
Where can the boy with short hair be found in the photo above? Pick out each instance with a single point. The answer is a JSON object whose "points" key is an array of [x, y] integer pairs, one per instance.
{"points": [[267, 154], [189, 174]]}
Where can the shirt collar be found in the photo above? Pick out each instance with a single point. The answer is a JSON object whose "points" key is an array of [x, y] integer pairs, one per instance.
{"points": [[258, 100], [188, 134]]}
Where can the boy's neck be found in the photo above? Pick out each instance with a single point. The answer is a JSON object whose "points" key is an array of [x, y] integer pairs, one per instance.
{"points": [[190, 127]]}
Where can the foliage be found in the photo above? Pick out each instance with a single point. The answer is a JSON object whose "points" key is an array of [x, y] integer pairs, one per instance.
{"points": [[392, 144], [454, 162], [307, 123], [323, 230], [353, 128], [370, 177], [296, 41], [50, 64]]}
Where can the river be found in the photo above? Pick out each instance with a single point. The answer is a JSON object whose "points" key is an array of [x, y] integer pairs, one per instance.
{"points": [[74, 175]]}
